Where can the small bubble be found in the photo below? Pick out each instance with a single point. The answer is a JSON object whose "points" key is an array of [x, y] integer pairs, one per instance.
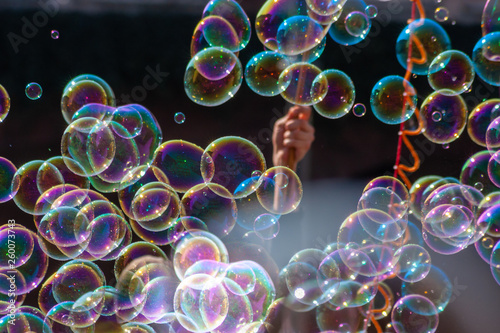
{"points": [[437, 116], [479, 186], [179, 118], [446, 145], [54, 34], [359, 110], [33, 91], [371, 11], [487, 242], [441, 14], [256, 173]]}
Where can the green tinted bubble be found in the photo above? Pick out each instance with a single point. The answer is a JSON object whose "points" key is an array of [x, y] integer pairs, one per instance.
{"points": [[359, 109], [262, 73], [480, 118], [134, 251], [352, 26], [357, 23], [216, 31], [393, 100], [179, 118], [298, 34]]}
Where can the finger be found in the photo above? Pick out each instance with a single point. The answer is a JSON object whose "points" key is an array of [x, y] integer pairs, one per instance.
{"points": [[299, 112], [297, 144], [299, 135], [298, 124]]}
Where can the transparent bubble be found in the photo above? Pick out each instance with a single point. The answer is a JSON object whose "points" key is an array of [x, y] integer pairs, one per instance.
{"points": [[126, 122], [339, 97], [230, 161], [453, 117], [267, 226], [486, 58], [179, 118], [205, 202], [180, 161], [371, 11], [241, 274], [475, 172], [418, 193], [135, 251], [234, 14], [298, 34], [262, 73], [393, 100], [359, 109], [270, 17], [325, 7], [451, 70], [353, 25], [4, 103], [213, 76], [433, 39], [33, 91], [54, 34], [480, 118], [7, 172], [441, 14], [298, 79], [274, 196], [357, 24], [414, 313], [490, 17], [436, 286], [85, 89], [24, 186], [495, 262], [215, 31]]}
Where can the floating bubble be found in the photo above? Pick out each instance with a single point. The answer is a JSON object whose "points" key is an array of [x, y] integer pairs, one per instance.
{"points": [[490, 17], [453, 117], [126, 122], [495, 262], [267, 226], [451, 70], [262, 73], [441, 14], [241, 274], [216, 31], [54, 34], [418, 193], [324, 19], [213, 76], [486, 58], [234, 14], [230, 161], [359, 109], [272, 193], [414, 313], [270, 17], [33, 91], [298, 79], [475, 170], [24, 186], [298, 34], [393, 100], [85, 89], [180, 162], [485, 246], [412, 263], [201, 303], [204, 201], [18, 255], [339, 97], [179, 118], [325, 7], [7, 172], [357, 24], [4, 103], [135, 251], [436, 286], [433, 39], [353, 25], [371, 11], [480, 118]]}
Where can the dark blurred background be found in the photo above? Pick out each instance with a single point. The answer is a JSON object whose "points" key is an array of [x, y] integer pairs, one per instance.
{"points": [[119, 40]]}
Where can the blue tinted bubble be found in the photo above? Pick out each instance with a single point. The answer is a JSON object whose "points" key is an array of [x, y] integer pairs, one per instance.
{"points": [[486, 58]]}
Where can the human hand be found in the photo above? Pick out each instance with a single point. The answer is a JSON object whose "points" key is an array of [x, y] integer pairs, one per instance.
{"points": [[292, 131]]}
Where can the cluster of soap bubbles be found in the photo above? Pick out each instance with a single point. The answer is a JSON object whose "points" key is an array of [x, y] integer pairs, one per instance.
{"points": [[345, 283], [173, 193], [294, 34]]}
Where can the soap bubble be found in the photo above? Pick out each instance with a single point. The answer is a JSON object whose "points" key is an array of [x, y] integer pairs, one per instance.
{"points": [[33, 91], [298, 79], [263, 71], [451, 70], [340, 94], [4, 103], [486, 58]]}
